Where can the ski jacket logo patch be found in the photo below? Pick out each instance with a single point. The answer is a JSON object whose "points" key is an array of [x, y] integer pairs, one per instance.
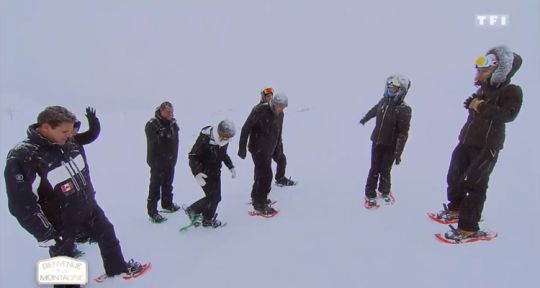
{"points": [[67, 187]]}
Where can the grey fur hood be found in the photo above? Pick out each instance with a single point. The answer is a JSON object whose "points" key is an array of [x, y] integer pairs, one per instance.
{"points": [[509, 63], [405, 85]]}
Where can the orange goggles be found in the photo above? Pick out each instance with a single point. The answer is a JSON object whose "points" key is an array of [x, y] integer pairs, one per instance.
{"points": [[267, 91]]}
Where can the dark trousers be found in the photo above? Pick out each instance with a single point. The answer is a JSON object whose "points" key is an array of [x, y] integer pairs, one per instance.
{"points": [[382, 158], [281, 161], [262, 178], [160, 188], [468, 177], [96, 224], [212, 191]]}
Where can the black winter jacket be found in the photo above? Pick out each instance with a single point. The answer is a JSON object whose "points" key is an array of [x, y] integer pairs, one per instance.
{"points": [[162, 142], [486, 128], [392, 123], [206, 155], [263, 128], [64, 182]]}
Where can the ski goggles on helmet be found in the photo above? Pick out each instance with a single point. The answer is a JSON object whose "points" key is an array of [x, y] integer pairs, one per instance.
{"points": [[394, 81], [267, 91], [486, 61]]}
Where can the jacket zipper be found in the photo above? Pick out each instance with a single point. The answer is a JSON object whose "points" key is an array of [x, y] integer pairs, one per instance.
{"points": [[382, 123], [71, 171], [489, 130], [467, 132]]}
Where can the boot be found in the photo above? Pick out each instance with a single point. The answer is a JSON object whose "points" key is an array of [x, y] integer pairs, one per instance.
{"points": [[284, 181], [171, 208], [157, 218], [265, 209], [214, 223]]}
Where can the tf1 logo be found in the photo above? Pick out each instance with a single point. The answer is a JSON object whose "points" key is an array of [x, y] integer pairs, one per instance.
{"points": [[491, 20]]}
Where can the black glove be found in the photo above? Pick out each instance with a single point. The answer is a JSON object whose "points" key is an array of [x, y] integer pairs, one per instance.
{"points": [[362, 121], [397, 159], [91, 114], [242, 153], [468, 101]]}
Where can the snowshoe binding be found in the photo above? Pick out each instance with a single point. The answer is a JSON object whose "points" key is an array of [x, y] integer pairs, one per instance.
{"points": [[285, 181]]}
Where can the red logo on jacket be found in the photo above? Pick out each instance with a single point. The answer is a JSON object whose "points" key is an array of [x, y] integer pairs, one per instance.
{"points": [[66, 187]]}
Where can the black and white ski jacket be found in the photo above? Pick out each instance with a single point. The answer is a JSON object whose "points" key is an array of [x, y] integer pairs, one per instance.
{"points": [[206, 155], [60, 172]]}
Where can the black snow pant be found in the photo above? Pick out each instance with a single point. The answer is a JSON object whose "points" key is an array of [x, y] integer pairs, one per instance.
{"points": [[382, 158], [160, 187], [262, 177], [281, 161], [212, 191], [99, 228], [468, 177]]}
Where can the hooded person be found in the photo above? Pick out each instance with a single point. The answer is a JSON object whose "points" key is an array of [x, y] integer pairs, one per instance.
{"points": [[162, 152], [495, 103], [205, 160], [388, 138]]}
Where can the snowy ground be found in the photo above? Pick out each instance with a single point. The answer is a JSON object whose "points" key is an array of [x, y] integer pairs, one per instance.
{"points": [[210, 60]]}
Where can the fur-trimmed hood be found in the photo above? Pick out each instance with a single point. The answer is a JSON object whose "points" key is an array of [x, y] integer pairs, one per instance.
{"points": [[404, 86], [508, 64]]}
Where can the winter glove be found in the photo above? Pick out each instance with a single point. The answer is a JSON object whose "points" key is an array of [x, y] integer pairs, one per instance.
{"points": [[233, 173], [200, 179], [475, 103], [467, 102], [397, 159], [91, 114], [242, 153], [47, 243], [362, 121], [49, 239]]}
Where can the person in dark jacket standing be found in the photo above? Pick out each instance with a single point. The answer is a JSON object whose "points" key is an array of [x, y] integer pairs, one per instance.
{"points": [[205, 158], [263, 127], [279, 155], [162, 152], [495, 103], [51, 155], [388, 138]]}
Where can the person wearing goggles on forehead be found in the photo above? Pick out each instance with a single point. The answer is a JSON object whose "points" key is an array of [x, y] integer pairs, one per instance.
{"points": [[263, 127], [266, 95], [205, 158], [388, 138], [495, 103], [279, 155]]}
